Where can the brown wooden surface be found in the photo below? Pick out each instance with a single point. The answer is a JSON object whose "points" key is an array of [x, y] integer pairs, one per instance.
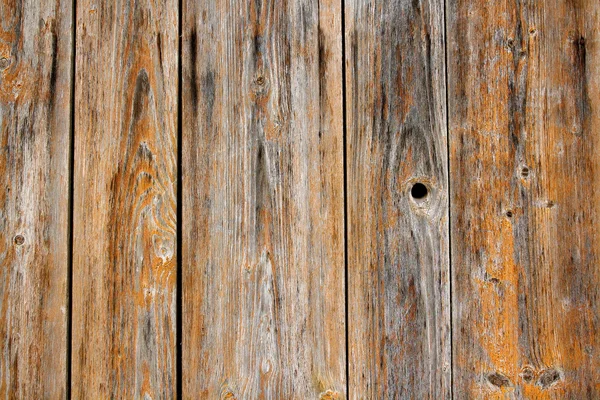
{"points": [[308, 267], [263, 228], [398, 271], [524, 92], [35, 103], [124, 244]]}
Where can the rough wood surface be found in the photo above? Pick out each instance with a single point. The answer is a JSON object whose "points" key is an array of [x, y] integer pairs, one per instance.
{"points": [[35, 93], [124, 265], [398, 269], [263, 233], [524, 92]]}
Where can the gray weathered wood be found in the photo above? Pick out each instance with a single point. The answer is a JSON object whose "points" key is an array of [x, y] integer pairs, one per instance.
{"points": [[124, 265], [398, 269], [263, 233], [35, 102], [524, 95]]}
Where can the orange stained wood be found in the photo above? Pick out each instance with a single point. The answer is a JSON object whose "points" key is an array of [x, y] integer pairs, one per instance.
{"points": [[523, 92], [299, 199]]}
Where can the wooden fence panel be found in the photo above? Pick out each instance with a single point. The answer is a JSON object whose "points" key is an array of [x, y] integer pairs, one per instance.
{"points": [[524, 93], [263, 228], [35, 106], [124, 254], [397, 194]]}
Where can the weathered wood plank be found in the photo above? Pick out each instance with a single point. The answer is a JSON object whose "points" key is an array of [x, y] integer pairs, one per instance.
{"points": [[263, 235], [398, 269], [35, 103], [124, 265], [524, 90]]}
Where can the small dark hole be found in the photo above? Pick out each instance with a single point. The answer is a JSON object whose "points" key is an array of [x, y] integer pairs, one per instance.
{"points": [[19, 240], [525, 172], [419, 191], [509, 214]]}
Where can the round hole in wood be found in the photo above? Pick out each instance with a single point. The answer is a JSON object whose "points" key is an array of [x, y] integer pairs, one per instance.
{"points": [[419, 191]]}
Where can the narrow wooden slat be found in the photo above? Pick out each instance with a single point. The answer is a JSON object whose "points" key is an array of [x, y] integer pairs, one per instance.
{"points": [[524, 90], [263, 235], [124, 265], [35, 102], [398, 270]]}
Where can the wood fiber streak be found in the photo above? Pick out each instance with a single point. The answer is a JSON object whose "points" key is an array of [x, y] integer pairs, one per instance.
{"points": [[524, 90], [263, 228], [35, 93], [398, 267], [124, 265]]}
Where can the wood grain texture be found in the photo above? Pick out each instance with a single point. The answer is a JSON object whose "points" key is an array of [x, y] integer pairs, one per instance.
{"points": [[524, 90], [35, 102], [398, 267], [124, 265], [263, 234]]}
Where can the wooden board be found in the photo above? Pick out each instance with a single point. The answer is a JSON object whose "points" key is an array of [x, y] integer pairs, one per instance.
{"points": [[398, 269], [263, 230], [35, 103], [524, 92], [124, 262]]}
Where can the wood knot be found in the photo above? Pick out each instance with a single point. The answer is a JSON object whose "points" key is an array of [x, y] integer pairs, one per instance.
{"points": [[527, 374], [548, 377], [499, 380], [19, 240], [510, 44], [260, 85], [330, 395], [4, 63], [227, 393]]}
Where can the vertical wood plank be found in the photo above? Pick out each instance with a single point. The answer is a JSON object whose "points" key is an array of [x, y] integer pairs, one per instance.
{"points": [[263, 234], [124, 266], [398, 269], [524, 90], [35, 103]]}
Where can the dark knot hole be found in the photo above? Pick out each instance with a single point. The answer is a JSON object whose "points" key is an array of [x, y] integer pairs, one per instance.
{"points": [[419, 191]]}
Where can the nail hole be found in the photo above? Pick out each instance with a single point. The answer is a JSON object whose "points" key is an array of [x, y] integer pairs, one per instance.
{"points": [[19, 240], [509, 214], [524, 172], [419, 191]]}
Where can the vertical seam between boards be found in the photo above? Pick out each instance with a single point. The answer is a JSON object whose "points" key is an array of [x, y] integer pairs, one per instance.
{"points": [[71, 203], [179, 289], [345, 170], [450, 277]]}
